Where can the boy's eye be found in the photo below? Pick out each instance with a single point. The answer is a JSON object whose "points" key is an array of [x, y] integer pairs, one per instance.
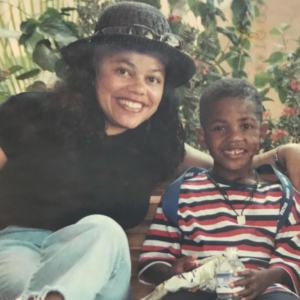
{"points": [[246, 126], [219, 128]]}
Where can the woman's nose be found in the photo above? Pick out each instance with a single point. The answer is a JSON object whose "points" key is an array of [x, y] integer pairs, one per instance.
{"points": [[137, 86]]}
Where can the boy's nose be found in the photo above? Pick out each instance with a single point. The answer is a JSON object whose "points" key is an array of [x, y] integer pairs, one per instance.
{"points": [[235, 134]]}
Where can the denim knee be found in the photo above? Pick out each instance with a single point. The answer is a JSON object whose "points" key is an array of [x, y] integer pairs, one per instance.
{"points": [[107, 226], [17, 264], [110, 234]]}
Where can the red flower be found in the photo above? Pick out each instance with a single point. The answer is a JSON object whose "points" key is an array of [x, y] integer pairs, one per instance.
{"points": [[206, 69], [290, 111], [198, 64], [293, 84], [266, 114], [174, 19], [278, 134], [298, 87]]}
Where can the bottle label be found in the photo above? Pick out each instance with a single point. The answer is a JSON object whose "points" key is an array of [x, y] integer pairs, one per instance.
{"points": [[223, 282]]}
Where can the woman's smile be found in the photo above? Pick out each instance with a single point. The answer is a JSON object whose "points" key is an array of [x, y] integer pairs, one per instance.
{"points": [[131, 105]]}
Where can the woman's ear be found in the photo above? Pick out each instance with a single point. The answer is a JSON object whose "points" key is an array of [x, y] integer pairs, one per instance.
{"points": [[263, 131], [201, 139]]}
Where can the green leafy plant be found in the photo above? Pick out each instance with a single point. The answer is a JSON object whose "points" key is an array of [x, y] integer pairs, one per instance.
{"points": [[283, 76], [42, 38]]}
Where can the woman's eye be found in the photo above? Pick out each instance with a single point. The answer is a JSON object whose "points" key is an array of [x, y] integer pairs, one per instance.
{"points": [[153, 80], [122, 71]]}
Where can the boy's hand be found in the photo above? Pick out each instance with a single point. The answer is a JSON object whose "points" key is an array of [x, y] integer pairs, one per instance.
{"points": [[184, 264], [159, 273], [254, 281]]}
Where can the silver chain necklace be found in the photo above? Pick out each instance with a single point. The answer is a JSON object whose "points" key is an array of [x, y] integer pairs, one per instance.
{"points": [[241, 218]]}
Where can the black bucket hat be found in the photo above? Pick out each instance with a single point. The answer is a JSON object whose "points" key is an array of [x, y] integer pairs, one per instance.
{"points": [[140, 27]]}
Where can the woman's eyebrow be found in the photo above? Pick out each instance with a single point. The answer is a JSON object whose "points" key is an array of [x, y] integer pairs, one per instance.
{"points": [[124, 60], [131, 64]]}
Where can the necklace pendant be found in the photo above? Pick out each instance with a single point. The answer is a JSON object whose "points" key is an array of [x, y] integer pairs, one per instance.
{"points": [[241, 220]]}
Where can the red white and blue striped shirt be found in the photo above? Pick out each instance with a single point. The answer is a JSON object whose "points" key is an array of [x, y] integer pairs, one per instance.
{"points": [[207, 225]]}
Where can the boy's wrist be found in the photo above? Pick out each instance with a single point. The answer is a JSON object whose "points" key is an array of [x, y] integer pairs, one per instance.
{"points": [[158, 273], [279, 275]]}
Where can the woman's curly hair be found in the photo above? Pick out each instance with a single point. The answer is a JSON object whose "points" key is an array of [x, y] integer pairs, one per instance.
{"points": [[160, 138]]}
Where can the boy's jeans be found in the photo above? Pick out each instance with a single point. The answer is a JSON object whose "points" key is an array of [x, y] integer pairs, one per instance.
{"points": [[88, 260]]}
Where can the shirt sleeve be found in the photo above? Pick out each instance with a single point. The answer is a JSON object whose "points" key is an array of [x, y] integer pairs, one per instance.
{"points": [[10, 121], [162, 244], [16, 115], [287, 245]]}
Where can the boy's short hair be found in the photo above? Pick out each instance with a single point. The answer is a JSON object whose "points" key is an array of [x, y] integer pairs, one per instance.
{"points": [[229, 87]]}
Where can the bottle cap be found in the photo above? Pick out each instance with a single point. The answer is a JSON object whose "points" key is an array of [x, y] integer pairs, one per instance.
{"points": [[231, 252]]}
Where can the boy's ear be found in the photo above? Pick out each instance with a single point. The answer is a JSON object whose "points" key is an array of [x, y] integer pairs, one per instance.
{"points": [[201, 139], [263, 131]]}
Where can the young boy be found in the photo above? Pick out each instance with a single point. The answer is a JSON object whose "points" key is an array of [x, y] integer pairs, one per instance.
{"points": [[231, 205]]}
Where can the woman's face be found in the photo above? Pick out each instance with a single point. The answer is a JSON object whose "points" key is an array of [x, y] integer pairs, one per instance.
{"points": [[129, 88]]}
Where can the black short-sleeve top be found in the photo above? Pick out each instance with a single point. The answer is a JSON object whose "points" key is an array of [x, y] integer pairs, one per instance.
{"points": [[45, 184]]}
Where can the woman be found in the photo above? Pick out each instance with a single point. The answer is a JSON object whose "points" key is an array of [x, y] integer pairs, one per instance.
{"points": [[89, 154]]}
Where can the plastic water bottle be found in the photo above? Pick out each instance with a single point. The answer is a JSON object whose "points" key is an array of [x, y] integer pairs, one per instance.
{"points": [[230, 265]]}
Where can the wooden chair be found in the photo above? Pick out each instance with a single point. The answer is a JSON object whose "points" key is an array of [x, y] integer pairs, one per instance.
{"points": [[136, 237]]}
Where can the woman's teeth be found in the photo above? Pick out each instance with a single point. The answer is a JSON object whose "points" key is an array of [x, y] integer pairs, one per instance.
{"points": [[131, 104]]}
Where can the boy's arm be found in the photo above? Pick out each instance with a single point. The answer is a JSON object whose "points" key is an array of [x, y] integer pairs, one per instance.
{"points": [[284, 266], [287, 249], [161, 249]]}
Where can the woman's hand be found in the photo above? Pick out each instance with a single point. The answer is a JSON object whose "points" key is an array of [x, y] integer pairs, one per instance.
{"points": [[289, 158]]}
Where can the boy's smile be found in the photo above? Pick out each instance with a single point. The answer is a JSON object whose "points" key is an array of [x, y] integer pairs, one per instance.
{"points": [[232, 134]]}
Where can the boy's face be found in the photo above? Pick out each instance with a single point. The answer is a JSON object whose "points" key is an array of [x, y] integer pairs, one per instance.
{"points": [[232, 135]]}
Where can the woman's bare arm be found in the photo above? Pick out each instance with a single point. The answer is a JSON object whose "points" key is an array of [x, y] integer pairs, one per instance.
{"points": [[3, 158], [289, 158], [194, 158], [288, 155]]}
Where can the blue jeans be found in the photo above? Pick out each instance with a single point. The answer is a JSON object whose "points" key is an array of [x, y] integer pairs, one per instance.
{"points": [[88, 260]]}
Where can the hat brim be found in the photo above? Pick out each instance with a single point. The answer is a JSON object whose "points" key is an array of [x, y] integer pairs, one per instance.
{"points": [[180, 68]]}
